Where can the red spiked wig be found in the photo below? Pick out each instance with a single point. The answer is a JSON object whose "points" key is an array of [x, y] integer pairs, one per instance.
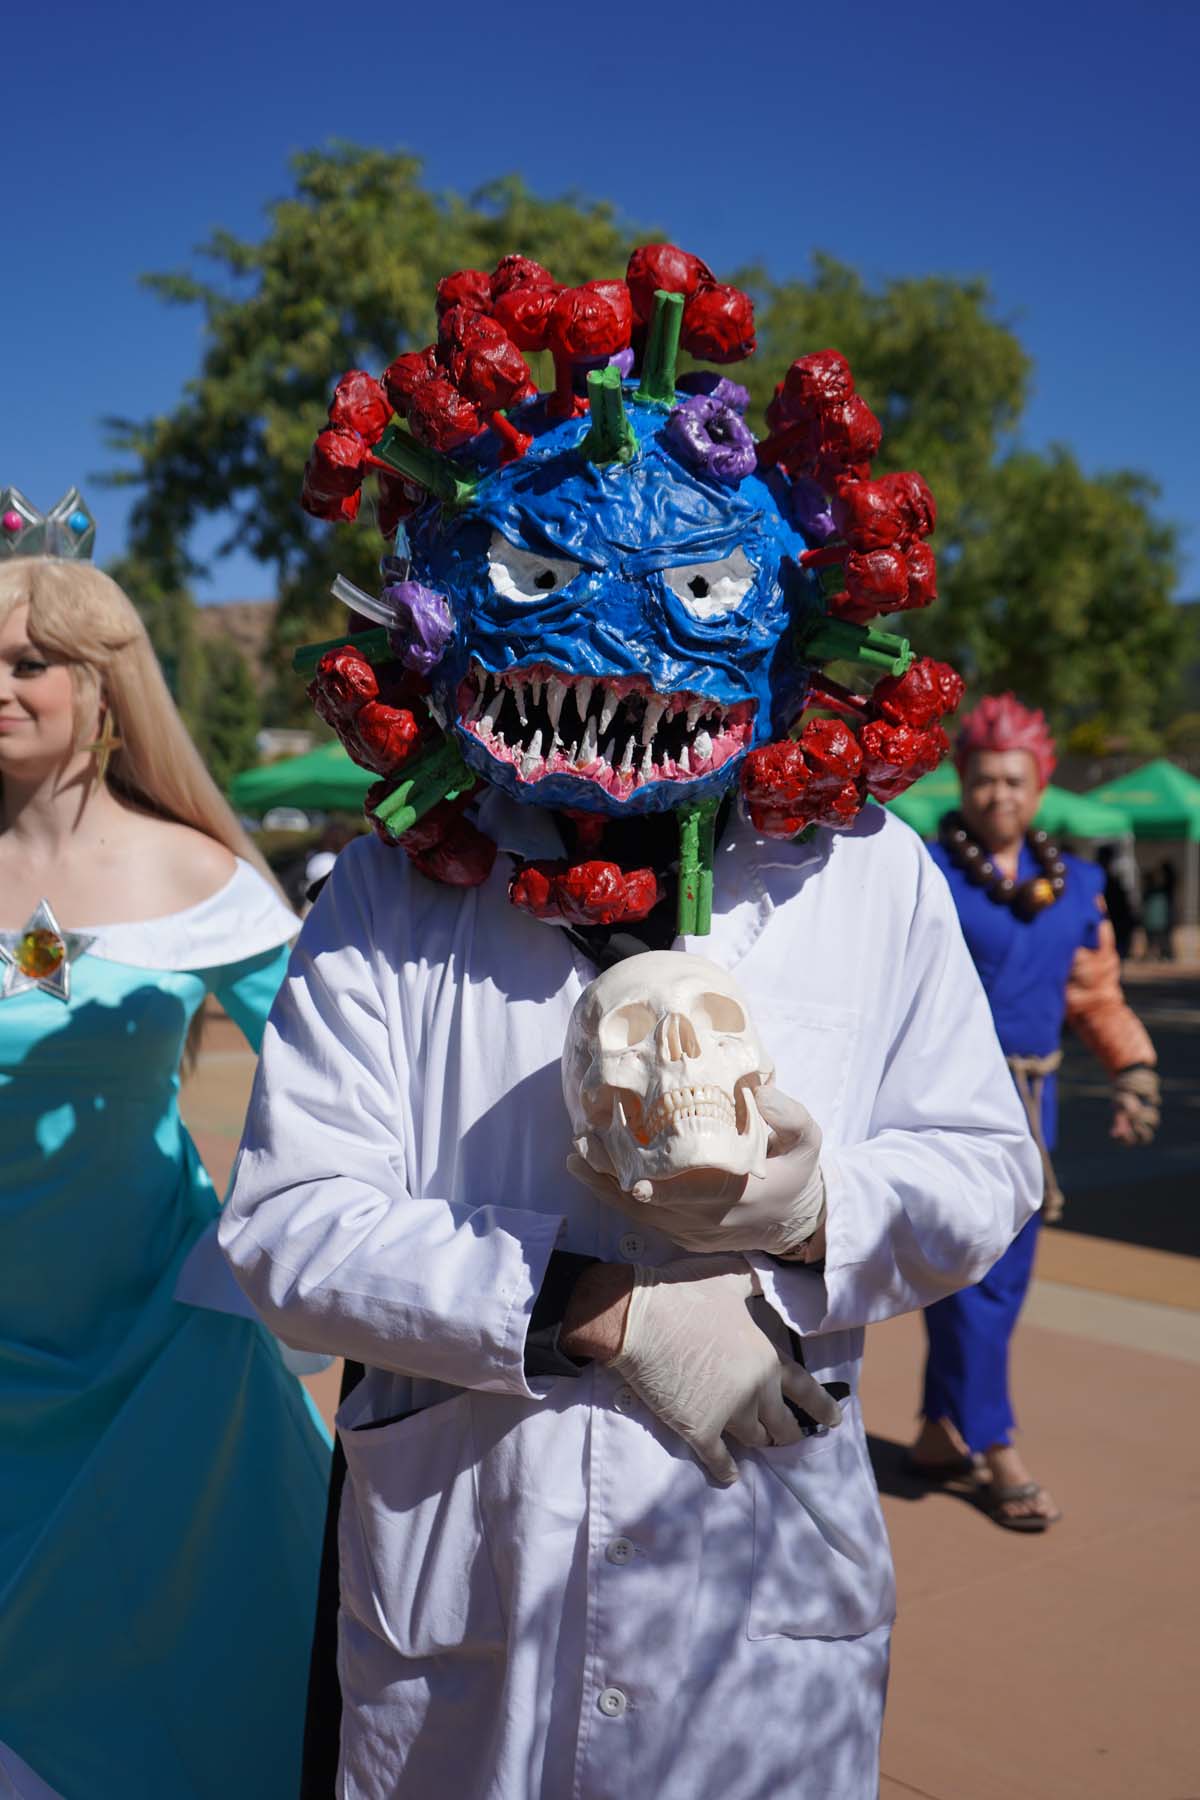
{"points": [[1000, 722]]}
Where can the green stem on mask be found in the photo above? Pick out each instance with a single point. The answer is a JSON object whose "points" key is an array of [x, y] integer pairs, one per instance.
{"points": [[822, 639], [437, 774], [697, 846], [662, 351], [398, 453], [372, 646], [611, 438]]}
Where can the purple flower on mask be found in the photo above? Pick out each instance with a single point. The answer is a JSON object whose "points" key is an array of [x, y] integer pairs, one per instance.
{"points": [[715, 387], [712, 439], [811, 511], [425, 626]]}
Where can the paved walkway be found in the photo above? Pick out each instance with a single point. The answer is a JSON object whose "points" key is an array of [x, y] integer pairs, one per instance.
{"points": [[1060, 1667]]}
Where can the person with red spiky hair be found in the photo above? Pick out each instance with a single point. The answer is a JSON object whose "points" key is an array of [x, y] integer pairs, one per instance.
{"points": [[1035, 925]]}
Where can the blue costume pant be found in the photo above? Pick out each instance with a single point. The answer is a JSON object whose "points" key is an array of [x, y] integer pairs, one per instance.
{"points": [[966, 1373]]}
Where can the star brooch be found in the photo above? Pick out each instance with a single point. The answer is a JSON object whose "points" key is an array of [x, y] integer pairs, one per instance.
{"points": [[40, 955]]}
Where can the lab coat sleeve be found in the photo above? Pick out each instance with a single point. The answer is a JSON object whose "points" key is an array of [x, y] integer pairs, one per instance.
{"points": [[947, 1173], [321, 1229]]}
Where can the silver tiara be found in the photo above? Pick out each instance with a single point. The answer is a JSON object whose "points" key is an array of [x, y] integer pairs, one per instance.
{"points": [[68, 529]]}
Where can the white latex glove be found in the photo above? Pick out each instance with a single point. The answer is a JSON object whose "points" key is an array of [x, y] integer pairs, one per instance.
{"points": [[707, 1211], [693, 1352]]}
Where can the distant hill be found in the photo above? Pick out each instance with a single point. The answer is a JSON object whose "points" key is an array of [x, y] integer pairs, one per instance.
{"points": [[247, 624]]}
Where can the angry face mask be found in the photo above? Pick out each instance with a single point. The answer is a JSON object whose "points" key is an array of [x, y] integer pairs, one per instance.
{"points": [[610, 599]]}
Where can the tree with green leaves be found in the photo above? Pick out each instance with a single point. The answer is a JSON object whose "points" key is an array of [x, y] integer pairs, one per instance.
{"points": [[344, 278], [1051, 582], [210, 681]]}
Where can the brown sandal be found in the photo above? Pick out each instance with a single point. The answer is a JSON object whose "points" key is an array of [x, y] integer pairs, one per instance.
{"points": [[993, 1499]]}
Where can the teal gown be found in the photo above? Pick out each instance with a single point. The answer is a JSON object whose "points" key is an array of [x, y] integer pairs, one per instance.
{"points": [[162, 1475]]}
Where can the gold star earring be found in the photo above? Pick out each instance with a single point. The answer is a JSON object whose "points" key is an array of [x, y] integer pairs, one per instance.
{"points": [[104, 746]]}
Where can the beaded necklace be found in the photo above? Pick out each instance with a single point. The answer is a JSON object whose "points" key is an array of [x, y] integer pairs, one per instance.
{"points": [[1027, 898]]}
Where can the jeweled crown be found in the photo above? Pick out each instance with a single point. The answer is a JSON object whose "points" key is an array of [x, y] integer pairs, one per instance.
{"points": [[68, 529]]}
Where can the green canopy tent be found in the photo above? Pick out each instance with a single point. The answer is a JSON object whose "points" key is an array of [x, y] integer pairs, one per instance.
{"points": [[1162, 802], [1061, 812], [322, 780]]}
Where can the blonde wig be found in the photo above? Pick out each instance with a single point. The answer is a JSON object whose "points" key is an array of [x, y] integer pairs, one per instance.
{"points": [[82, 618]]}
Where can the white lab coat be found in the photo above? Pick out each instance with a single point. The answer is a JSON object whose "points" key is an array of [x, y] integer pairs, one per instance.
{"points": [[543, 1595]]}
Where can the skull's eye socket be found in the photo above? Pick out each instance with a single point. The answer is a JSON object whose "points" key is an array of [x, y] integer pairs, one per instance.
{"points": [[525, 575], [720, 1013], [710, 589], [627, 1026]]}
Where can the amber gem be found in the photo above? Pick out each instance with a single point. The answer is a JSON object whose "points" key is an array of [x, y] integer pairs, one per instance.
{"points": [[40, 952]]}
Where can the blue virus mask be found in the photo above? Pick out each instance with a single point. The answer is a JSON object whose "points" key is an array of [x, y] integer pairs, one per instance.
{"points": [[621, 632]]}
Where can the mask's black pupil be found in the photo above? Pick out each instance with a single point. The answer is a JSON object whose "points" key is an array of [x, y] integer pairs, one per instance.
{"points": [[698, 586], [546, 580]]}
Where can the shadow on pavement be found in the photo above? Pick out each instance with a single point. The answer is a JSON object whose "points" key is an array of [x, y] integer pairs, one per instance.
{"points": [[895, 1478]]}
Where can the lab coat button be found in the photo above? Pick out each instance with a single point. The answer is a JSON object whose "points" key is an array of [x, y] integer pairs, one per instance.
{"points": [[620, 1550], [624, 1399], [612, 1702], [631, 1246]]}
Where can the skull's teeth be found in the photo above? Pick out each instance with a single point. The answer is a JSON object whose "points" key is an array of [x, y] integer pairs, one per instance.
{"points": [[688, 1105]]}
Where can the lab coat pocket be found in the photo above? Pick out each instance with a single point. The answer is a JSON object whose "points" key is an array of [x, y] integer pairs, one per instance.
{"points": [[822, 1567], [415, 1566], [812, 1044]]}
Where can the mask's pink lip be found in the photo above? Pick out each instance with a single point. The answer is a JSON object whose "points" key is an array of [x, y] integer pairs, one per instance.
{"points": [[615, 733]]}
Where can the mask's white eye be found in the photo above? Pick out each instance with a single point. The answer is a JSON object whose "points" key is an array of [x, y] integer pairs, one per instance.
{"points": [[709, 589], [523, 574]]}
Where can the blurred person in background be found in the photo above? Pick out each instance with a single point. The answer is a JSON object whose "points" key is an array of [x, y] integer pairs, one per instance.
{"points": [[325, 852], [162, 1476], [1158, 913], [1118, 901], [1035, 924]]}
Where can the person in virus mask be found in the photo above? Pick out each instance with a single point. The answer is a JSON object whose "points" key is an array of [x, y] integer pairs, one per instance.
{"points": [[607, 1527]]}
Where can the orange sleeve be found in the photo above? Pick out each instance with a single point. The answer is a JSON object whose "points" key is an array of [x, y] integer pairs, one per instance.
{"points": [[1098, 1012]]}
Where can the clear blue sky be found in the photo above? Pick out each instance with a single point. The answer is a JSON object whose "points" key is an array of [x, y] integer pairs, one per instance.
{"points": [[1052, 148]]}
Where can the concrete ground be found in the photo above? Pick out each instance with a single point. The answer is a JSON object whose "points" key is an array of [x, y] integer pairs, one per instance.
{"points": [[1064, 1666]]}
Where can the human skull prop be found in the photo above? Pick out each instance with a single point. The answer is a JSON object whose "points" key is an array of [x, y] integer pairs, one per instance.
{"points": [[660, 1069]]}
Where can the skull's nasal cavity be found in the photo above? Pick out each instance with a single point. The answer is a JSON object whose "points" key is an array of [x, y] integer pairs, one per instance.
{"points": [[676, 1037]]}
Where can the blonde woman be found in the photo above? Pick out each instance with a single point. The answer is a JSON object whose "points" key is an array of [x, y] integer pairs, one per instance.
{"points": [[161, 1477]]}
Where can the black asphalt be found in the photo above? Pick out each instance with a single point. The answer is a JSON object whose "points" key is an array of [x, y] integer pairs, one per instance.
{"points": [[1145, 1196]]}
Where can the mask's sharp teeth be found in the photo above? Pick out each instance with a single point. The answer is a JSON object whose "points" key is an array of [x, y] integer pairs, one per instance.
{"points": [[609, 756], [583, 694], [646, 770], [655, 708], [535, 689], [573, 752], [556, 692], [590, 747], [694, 711], [492, 711], [702, 746], [626, 766], [684, 761], [608, 709], [475, 708], [535, 748], [518, 690]]}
